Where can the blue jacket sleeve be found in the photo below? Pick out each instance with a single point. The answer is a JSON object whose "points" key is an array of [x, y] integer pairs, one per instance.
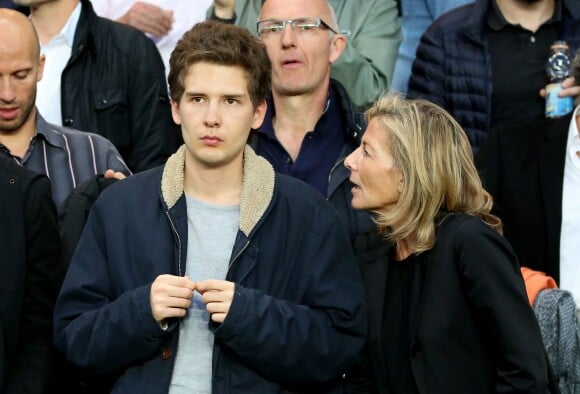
{"points": [[95, 328], [428, 73], [488, 161]]}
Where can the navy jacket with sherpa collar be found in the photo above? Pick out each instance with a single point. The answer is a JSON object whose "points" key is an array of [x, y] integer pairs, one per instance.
{"points": [[297, 319]]}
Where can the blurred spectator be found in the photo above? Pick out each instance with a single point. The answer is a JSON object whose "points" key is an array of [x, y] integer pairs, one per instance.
{"points": [[533, 173], [310, 124], [103, 77], [29, 278], [416, 17], [68, 157], [486, 62], [372, 32], [10, 4], [164, 21]]}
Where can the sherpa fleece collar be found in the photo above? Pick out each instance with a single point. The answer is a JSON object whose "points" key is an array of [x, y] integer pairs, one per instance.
{"points": [[257, 185]]}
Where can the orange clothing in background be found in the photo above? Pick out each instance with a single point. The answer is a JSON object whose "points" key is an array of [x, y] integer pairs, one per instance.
{"points": [[536, 281]]}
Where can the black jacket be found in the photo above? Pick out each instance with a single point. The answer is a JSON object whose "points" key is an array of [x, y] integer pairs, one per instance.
{"points": [[114, 85], [29, 279], [472, 328], [75, 211], [523, 169]]}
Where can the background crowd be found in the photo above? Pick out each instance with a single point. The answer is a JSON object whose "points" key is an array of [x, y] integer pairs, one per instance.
{"points": [[364, 196]]}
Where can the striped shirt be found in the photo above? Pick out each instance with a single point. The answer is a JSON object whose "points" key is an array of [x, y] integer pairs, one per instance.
{"points": [[68, 157]]}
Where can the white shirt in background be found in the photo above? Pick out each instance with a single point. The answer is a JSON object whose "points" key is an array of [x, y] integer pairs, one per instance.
{"points": [[57, 53], [186, 13], [570, 230]]}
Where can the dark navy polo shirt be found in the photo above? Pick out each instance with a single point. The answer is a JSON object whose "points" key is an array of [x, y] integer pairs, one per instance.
{"points": [[320, 148]]}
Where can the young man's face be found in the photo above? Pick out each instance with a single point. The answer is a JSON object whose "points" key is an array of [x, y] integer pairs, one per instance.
{"points": [[216, 114]]}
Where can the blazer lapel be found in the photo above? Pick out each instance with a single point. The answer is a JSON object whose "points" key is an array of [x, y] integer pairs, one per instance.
{"points": [[375, 276], [373, 267]]}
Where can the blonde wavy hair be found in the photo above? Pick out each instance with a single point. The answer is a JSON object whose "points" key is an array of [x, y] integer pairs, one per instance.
{"points": [[434, 156]]}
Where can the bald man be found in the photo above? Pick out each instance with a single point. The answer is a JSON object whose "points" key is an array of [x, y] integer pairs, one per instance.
{"points": [[311, 124], [373, 35], [68, 157], [106, 78]]}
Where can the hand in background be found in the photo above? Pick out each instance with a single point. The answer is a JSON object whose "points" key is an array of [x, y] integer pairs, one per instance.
{"points": [[148, 18], [569, 88], [114, 174]]}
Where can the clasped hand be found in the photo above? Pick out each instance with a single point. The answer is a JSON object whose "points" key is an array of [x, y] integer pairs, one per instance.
{"points": [[172, 295]]}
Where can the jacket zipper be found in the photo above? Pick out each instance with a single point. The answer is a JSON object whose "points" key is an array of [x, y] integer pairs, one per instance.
{"points": [[334, 168], [178, 242], [235, 259]]}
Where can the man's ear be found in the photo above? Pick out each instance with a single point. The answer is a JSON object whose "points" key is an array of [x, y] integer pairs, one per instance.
{"points": [[337, 47], [40, 70], [175, 112], [259, 114]]}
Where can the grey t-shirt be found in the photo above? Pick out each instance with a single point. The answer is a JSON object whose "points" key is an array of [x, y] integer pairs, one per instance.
{"points": [[211, 234]]}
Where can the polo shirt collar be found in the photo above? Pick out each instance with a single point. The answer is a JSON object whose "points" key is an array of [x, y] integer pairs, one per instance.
{"points": [[496, 21], [268, 124]]}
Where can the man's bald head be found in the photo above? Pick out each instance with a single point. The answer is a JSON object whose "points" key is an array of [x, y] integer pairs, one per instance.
{"points": [[17, 29], [21, 66]]}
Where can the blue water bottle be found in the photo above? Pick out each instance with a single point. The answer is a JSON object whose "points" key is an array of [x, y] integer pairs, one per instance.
{"points": [[558, 69]]}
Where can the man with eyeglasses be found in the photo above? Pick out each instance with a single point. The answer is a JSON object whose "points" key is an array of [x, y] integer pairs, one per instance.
{"points": [[310, 124], [373, 35]]}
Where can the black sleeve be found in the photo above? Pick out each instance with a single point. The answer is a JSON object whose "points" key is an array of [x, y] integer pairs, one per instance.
{"points": [[74, 213], [488, 163], [360, 379], [495, 289], [154, 135], [32, 372]]}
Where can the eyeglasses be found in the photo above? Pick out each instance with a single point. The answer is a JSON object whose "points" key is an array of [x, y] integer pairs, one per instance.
{"points": [[272, 27]]}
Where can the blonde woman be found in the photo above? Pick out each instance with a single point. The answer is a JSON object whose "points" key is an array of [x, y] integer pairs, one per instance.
{"points": [[448, 311]]}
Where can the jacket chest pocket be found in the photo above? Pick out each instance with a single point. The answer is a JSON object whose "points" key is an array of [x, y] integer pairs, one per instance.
{"points": [[113, 117]]}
